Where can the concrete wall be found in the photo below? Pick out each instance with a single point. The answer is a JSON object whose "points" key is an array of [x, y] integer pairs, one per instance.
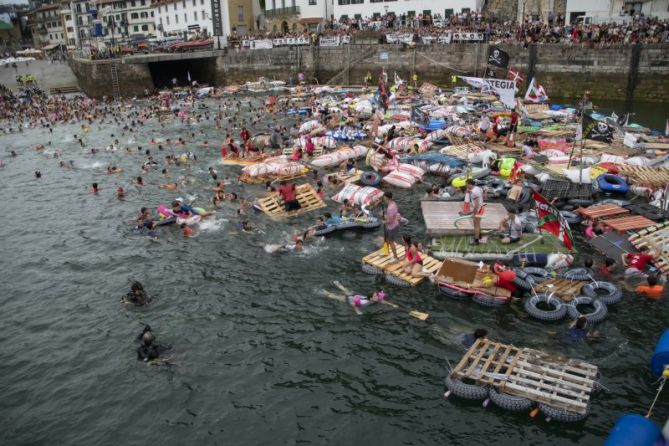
{"points": [[95, 78], [564, 71]]}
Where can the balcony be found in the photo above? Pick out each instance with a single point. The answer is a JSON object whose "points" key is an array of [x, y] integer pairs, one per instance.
{"points": [[280, 12]]}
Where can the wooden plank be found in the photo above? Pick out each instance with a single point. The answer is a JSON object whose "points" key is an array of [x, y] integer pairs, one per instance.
{"points": [[602, 210], [571, 379], [490, 359], [502, 362], [539, 383], [475, 362], [389, 265], [465, 358], [555, 401], [627, 223], [273, 205]]}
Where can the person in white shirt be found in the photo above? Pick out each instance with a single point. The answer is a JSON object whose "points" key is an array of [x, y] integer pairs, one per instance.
{"points": [[511, 227], [474, 206]]}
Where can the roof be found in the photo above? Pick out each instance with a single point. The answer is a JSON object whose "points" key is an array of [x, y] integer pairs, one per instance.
{"points": [[311, 20], [47, 7]]}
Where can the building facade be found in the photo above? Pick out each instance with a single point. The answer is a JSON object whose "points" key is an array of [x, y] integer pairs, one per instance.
{"points": [[46, 25], [188, 17], [617, 9]]}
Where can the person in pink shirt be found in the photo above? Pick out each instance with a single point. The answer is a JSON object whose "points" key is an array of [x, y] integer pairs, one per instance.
{"points": [[391, 226]]}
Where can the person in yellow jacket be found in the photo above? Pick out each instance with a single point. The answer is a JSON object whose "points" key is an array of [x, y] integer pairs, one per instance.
{"points": [[414, 79]]}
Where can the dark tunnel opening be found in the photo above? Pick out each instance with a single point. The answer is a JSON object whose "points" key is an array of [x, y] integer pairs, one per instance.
{"points": [[201, 70]]}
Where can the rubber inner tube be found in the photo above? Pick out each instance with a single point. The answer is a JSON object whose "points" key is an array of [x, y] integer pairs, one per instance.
{"points": [[370, 178], [607, 292]]}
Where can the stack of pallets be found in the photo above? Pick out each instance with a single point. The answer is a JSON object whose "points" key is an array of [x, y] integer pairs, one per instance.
{"points": [[645, 176], [657, 239]]}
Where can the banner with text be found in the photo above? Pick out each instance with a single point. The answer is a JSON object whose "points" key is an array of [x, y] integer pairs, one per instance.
{"points": [[504, 88]]}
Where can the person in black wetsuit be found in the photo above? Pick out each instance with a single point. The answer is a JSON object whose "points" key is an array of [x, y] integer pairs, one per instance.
{"points": [[136, 296], [149, 349]]}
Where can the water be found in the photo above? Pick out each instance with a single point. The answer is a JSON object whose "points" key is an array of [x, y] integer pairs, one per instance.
{"points": [[261, 356]]}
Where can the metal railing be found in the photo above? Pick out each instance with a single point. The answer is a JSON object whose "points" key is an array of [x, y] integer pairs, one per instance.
{"points": [[278, 12]]}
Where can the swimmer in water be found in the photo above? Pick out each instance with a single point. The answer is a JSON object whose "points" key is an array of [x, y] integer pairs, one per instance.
{"points": [[150, 350], [38, 174], [136, 296], [120, 193], [187, 231], [139, 181], [95, 188], [357, 301], [298, 246]]}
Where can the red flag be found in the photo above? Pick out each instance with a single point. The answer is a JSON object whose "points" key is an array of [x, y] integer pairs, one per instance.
{"points": [[551, 220], [514, 75]]}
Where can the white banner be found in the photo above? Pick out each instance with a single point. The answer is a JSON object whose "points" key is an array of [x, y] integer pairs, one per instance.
{"points": [[329, 41], [263, 44], [399, 38], [467, 37], [427, 40], [444, 39], [506, 89]]}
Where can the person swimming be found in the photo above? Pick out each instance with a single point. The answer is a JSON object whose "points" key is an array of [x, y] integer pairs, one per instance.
{"points": [[149, 349], [136, 296]]}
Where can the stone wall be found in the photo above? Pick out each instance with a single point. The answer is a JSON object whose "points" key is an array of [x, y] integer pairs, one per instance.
{"points": [[564, 71]]}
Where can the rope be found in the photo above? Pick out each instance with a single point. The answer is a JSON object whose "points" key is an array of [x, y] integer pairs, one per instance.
{"points": [[657, 395]]}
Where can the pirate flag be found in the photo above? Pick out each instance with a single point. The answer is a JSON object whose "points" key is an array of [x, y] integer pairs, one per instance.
{"points": [[597, 130], [497, 57], [489, 72]]}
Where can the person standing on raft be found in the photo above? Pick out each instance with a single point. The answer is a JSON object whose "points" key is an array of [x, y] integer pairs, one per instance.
{"points": [[473, 206], [391, 226]]}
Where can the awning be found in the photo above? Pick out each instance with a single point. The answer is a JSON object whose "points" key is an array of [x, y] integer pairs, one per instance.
{"points": [[50, 47], [308, 20]]}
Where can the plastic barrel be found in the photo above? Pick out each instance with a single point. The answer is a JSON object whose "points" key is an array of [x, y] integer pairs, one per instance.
{"points": [[633, 430], [660, 355]]}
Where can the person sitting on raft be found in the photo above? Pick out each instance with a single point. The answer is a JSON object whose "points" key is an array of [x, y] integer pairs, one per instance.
{"points": [[505, 278], [413, 265], [511, 227], [468, 339], [150, 349], [347, 209], [136, 296]]}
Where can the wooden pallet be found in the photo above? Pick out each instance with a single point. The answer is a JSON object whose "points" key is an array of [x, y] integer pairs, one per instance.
{"points": [[656, 237], [461, 151], [318, 151], [440, 217], [602, 210], [236, 161], [247, 179], [273, 205], [389, 265], [347, 178], [565, 289], [556, 381], [645, 176], [630, 223]]}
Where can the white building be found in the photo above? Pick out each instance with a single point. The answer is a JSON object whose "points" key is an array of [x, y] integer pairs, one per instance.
{"points": [[412, 8], [174, 17], [616, 9]]}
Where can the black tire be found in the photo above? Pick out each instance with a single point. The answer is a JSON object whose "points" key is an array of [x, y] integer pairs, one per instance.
{"points": [[509, 402], [538, 275], [489, 301], [613, 296], [563, 415], [597, 316], [396, 280], [578, 274], [369, 269], [372, 223], [327, 230], [571, 217], [370, 178], [558, 312], [522, 280], [466, 391], [454, 294]]}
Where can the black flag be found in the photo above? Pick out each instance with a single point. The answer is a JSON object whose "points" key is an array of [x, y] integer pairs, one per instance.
{"points": [[497, 57], [597, 130]]}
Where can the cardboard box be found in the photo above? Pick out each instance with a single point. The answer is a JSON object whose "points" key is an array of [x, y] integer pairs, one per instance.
{"points": [[459, 270]]}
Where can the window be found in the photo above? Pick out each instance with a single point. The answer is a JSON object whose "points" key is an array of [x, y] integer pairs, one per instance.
{"points": [[135, 28], [79, 8], [201, 2], [50, 36], [68, 17], [174, 6], [203, 15], [195, 15], [292, 3], [357, 2], [142, 2], [240, 13], [313, 2], [159, 10], [144, 15], [145, 27], [69, 29], [427, 12], [344, 2], [185, 18], [183, 4], [390, 1], [168, 19], [465, 10], [132, 3], [448, 12], [376, 1], [274, 7], [134, 15], [176, 19], [632, 8], [151, 13]]}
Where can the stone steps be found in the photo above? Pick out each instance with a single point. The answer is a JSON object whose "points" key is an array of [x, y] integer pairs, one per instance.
{"points": [[63, 89]]}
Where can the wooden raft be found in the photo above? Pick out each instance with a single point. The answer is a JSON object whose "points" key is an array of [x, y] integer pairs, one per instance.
{"points": [[559, 382], [657, 239], [565, 289], [272, 178], [461, 151], [602, 210], [645, 176], [273, 205], [440, 217], [627, 223], [389, 265]]}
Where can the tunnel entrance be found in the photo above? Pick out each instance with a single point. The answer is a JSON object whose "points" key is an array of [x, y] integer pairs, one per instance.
{"points": [[201, 70]]}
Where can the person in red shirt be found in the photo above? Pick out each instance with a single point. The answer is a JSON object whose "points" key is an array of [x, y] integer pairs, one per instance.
{"points": [[289, 195], [636, 262], [244, 134], [505, 278]]}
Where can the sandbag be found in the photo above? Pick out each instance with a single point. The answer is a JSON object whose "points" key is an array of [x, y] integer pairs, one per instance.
{"points": [[360, 196]]}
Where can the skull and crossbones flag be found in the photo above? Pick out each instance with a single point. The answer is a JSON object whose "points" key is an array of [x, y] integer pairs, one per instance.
{"points": [[497, 57], [596, 130]]}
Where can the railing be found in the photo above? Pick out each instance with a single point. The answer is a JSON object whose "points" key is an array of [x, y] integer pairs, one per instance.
{"points": [[278, 12]]}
